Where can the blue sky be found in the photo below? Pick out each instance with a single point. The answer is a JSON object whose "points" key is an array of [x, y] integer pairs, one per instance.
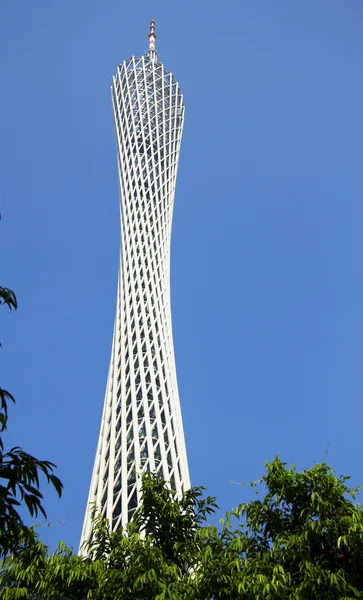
{"points": [[267, 287]]}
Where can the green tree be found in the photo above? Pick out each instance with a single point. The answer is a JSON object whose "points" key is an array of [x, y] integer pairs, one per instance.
{"points": [[154, 558], [19, 473], [302, 540]]}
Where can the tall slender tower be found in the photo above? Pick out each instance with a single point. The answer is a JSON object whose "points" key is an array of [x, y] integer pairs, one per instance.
{"points": [[141, 428]]}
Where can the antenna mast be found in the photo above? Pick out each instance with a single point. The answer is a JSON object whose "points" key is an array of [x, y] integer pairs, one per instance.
{"points": [[153, 55]]}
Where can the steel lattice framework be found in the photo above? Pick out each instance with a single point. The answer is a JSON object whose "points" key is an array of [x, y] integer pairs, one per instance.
{"points": [[141, 426]]}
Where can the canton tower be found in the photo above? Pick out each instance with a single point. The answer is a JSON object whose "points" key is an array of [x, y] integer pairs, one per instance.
{"points": [[141, 428]]}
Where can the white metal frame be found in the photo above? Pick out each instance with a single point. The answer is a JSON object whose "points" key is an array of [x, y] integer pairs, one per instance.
{"points": [[141, 426]]}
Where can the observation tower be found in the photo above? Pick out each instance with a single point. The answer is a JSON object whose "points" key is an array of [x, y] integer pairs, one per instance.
{"points": [[141, 428]]}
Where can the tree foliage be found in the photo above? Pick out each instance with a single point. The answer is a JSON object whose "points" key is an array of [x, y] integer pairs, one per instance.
{"points": [[19, 472], [303, 539]]}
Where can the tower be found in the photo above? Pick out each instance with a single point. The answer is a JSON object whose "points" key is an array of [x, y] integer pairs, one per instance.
{"points": [[141, 427]]}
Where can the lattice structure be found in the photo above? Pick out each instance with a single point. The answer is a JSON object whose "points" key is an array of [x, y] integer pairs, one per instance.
{"points": [[141, 426]]}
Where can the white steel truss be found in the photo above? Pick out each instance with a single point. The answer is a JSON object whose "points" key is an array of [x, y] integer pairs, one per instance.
{"points": [[141, 427]]}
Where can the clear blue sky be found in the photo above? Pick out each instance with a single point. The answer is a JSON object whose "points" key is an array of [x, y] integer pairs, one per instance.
{"points": [[267, 287]]}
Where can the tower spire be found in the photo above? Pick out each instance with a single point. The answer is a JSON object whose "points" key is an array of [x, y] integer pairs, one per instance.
{"points": [[152, 37]]}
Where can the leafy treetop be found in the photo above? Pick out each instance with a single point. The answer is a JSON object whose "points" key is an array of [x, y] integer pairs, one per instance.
{"points": [[301, 540]]}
